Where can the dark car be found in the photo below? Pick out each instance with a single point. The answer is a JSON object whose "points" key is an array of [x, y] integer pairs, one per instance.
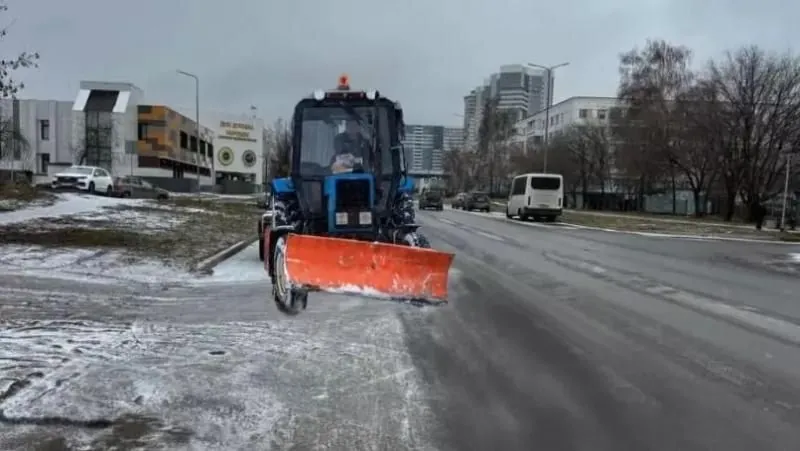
{"points": [[458, 201], [431, 199], [477, 201], [131, 186]]}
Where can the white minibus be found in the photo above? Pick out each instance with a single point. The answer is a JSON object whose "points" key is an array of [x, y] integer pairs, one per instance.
{"points": [[536, 195]]}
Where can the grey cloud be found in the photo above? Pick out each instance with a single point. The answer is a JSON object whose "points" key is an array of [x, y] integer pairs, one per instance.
{"points": [[426, 54]]}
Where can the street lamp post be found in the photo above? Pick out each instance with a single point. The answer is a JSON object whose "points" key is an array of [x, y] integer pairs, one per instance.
{"points": [[548, 104], [196, 118], [786, 191]]}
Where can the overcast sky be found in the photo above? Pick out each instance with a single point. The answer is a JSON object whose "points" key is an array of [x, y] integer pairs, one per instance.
{"points": [[425, 53]]}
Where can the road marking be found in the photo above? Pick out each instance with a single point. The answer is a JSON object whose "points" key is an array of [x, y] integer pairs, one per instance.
{"points": [[489, 235], [447, 221]]}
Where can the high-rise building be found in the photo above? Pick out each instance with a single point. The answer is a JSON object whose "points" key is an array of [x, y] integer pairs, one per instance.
{"points": [[453, 138], [520, 89], [425, 145]]}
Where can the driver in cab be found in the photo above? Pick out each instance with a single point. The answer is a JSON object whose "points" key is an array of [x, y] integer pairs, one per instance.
{"points": [[351, 148]]}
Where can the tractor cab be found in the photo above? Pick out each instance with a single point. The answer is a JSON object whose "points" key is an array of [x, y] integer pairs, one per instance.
{"points": [[347, 161]]}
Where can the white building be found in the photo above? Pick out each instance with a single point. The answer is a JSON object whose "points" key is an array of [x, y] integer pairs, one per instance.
{"points": [[241, 148], [519, 89], [46, 126], [574, 110]]}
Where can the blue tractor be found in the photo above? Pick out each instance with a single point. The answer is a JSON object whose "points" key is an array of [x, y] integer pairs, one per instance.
{"points": [[344, 219]]}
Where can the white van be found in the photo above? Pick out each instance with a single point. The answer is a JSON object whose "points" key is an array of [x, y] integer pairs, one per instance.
{"points": [[536, 195]]}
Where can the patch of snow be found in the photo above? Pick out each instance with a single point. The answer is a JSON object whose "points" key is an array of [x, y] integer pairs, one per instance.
{"points": [[237, 385], [67, 204], [89, 265], [795, 257], [244, 267]]}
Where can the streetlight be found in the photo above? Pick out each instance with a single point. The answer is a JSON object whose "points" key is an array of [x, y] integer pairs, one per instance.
{"points": [[786, 191], [548, 104], [196, 118]]}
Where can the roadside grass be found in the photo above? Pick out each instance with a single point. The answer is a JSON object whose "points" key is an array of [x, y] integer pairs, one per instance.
{"points": [[645, 224], [14, 196], [180, 232]]}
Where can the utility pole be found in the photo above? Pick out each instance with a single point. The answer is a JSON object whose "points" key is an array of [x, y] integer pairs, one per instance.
{"points": [[197, 120], [548, 104], [786, 191]]}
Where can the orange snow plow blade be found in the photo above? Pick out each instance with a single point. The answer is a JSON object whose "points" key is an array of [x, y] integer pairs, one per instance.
{"points": [[367, 268]]}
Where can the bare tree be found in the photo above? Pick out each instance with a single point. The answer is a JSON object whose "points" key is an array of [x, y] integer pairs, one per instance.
{"points": [[651, 80], [279, 147], [9, 87], [495, 129], [698, 145], [14, 147], [762, 94]]}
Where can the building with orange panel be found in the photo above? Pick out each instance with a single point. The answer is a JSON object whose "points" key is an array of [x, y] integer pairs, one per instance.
{"points": [[114, 128], [167, 145]]}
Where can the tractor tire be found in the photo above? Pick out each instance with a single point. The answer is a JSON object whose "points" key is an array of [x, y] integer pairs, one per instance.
{"points": [[288, 299], [261, 248], [415, 239]]}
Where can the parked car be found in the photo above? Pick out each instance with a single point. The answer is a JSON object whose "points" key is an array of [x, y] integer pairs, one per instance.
{"points": [[458, 201], [84, 178], [477, 201], [431, 199], [264, 223], [132, 186]]}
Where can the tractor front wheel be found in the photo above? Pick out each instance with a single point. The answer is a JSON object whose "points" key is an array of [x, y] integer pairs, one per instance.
{"points": [[288, 299]]}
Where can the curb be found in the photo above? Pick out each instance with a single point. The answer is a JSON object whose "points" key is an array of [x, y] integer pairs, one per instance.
{"points": [[205, 266]]}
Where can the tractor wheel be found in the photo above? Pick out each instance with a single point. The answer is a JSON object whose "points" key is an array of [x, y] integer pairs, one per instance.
{"points": [[415, 239], [261, 248], [288, 299]]}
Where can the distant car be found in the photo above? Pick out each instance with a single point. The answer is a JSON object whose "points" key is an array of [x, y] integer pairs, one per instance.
{"points": [[458, 201], [431, 199], [132, 186], [84, 178], [477, 201], [264, 223]]}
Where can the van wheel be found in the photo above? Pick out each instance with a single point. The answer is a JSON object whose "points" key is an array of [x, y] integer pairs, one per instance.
{"points": [[508, 213]]}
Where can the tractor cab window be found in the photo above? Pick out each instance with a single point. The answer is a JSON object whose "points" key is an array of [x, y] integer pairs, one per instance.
{"points": [[340, 139]]}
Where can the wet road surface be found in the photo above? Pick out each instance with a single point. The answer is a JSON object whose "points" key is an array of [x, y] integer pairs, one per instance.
{"points": [[556, 338]]}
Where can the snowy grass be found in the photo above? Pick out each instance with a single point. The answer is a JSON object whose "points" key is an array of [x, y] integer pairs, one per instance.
{"points": [[17, 196], [632, 223], [179, 232]]}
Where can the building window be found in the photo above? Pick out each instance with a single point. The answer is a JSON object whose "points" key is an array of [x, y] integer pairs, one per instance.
{"points": [[143, 131], [193, 141], [583, 113], [44, 162], [210, 148], [601, 114], [202, 147], [184, 140], [44, 130]]}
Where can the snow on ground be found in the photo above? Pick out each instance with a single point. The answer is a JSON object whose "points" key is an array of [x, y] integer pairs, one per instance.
{"points": [[794, 257], [89, 265], [68, 204], [244, 267]]}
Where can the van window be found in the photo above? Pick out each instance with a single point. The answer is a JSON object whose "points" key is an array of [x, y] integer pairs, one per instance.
{"points": [[546, 183], [518, 186]]}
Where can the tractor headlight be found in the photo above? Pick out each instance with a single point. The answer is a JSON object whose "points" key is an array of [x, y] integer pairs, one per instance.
{"points": [[365, 218], [319, 94], [341, 218], [372, 95]]}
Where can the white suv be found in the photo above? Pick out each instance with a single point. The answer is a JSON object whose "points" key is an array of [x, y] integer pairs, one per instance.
{"points": [[85, 178]]}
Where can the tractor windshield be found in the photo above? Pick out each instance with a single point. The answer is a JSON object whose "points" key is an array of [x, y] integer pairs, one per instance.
{"points": [[340, 138]]}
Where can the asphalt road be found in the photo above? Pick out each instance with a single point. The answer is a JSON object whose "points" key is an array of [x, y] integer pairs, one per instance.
{"points": [[555, 339], [570, 339]]}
